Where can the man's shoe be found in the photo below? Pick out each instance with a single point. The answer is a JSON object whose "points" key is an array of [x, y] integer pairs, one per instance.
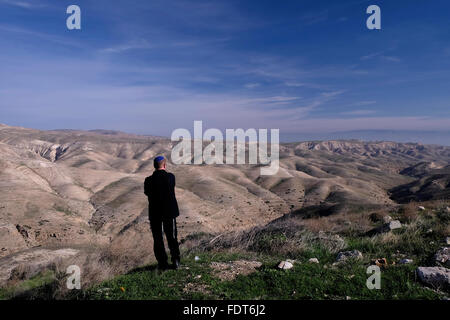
{"points": [[163, 266], [176, 264]]}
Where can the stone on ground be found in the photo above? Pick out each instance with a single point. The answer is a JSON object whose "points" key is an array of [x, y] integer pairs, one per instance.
{"points": [[436, 277], [285, 265], [394, 224], [442, 257], [346, 255], [406, 261]]}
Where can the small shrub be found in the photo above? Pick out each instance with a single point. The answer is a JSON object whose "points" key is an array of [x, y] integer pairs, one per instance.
{"points": [[408, 213]]}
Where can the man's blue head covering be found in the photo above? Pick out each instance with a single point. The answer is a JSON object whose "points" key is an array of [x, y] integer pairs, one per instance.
{"points": [[157, 162]]}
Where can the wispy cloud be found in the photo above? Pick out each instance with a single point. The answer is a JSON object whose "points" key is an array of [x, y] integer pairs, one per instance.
{"points": [[272, 100], [391, 58], [23, 4], [371, 55], [359, 112], [381, 55], [294, 84], [331, 94], [252, 85], [362, 103], [138, 44], [311, 18], [42, 35]]}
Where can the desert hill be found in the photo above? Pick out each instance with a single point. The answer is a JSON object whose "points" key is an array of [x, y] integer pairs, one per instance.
{"points": [[433, 182], [83, 190]]}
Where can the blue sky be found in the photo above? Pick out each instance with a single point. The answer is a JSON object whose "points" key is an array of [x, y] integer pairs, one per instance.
{"points": [[149, 67]]}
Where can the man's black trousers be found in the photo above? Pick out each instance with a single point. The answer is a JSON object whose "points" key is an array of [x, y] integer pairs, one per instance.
{"points": [[170, 229]]}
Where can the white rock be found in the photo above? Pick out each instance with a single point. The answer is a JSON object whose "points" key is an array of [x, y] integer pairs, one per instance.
{"points": [[406, 261], [197, 258], [285, 265], [313, 260], [345, 255], [394, 224], [421, 208], [291, 260], [437, 277], [442, 257]]}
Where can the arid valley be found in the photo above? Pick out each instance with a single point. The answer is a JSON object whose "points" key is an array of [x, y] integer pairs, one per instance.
{"points": [[77, 196]]}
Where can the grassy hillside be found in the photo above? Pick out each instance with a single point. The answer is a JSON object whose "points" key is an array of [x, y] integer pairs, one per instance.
{"points": [[304, 281], [244, 265]]}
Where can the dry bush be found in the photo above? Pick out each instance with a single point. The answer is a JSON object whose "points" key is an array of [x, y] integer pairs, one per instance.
{"points": [[317, 224], [377, 216], [387, 238], [409, 212], [100, 264], [19, 273], [287, 237], [273, 237], [193, 241], [358, 223]]}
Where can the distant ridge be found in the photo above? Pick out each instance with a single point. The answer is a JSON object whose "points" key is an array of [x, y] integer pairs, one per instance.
{"points": [[403, 136]]}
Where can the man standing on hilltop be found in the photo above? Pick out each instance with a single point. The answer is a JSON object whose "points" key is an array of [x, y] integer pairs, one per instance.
{"points": [[163, 210]]}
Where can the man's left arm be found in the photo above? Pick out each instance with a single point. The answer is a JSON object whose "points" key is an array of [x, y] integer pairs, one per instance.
{"points": [[147, 187]]}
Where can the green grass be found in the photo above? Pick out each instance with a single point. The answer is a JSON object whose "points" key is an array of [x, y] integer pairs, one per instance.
{"points": [[197, 280], [415, 241], [304, 281], [267, 241], [311, 281], [36, 285]]}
